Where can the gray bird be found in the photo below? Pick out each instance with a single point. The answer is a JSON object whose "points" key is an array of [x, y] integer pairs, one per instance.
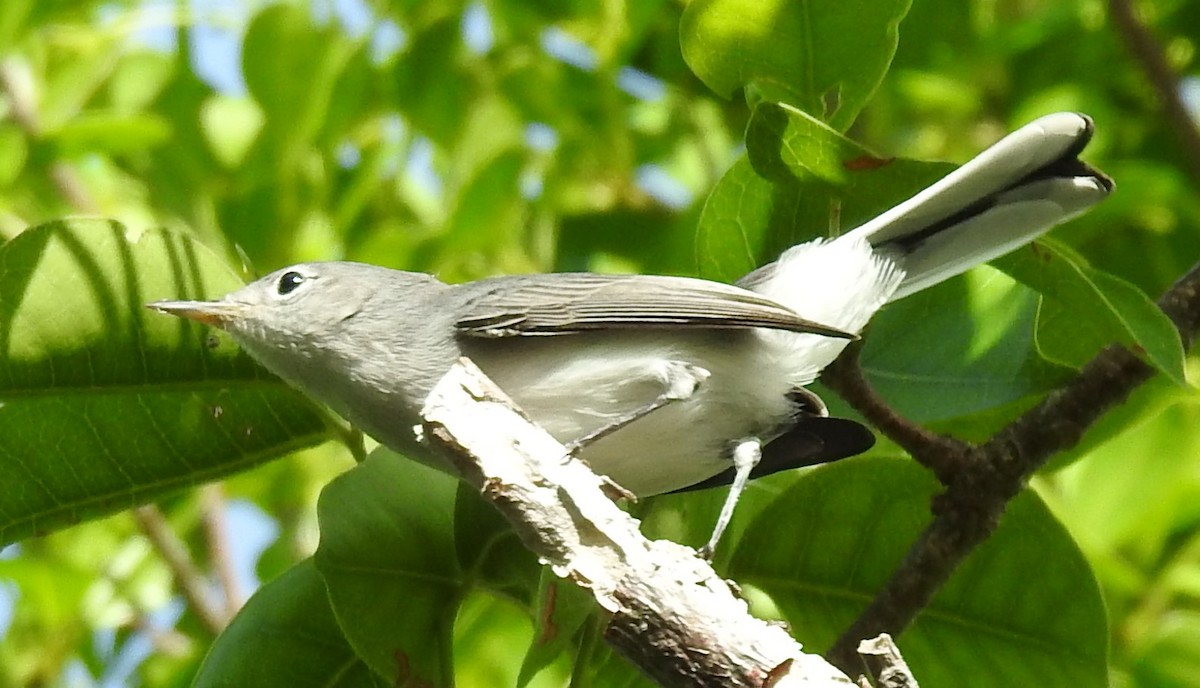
{"points": [[660, 383]]}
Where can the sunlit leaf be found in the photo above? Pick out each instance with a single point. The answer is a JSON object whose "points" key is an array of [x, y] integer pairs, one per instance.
{"points": [[824, 58], [799, 180], [1092, 309], [104, 404], [111, 132]]}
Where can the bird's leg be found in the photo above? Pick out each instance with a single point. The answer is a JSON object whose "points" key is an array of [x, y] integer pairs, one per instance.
{"points": [[680, 382], [746, 456]]}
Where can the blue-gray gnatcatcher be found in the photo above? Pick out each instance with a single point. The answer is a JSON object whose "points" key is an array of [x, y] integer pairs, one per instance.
{"points": [[660, 383]]}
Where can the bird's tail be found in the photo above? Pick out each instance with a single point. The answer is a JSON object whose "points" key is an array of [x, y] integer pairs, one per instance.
{"points": [[1028, 182], [1007, 196]]}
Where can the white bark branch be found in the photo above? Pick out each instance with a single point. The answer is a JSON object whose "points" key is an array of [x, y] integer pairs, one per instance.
{"points": [[885, 664], [672, 615]]}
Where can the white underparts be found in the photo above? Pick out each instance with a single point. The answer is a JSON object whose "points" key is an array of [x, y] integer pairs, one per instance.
{"points": [[841, 283]]}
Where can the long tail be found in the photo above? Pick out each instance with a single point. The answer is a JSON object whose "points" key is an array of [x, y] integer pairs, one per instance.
{"points": [[1028, 182], [1007, 196]]}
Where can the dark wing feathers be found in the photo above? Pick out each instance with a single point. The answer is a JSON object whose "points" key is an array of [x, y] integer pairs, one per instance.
{"points": [[562, 303]]}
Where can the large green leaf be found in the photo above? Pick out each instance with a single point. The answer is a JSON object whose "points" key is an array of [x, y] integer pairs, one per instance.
{"points": [[292, 68], [104, 404], [286, 635], [1092, 308], [959, 348], [388, 557], [1024, 609], [826, 58], [435, 89]]}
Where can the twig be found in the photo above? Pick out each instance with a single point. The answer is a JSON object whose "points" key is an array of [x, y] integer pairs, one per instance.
{"points": [[188, 577], [991, 474], [18, 85], [1152, 59], [940, 454], [216, 532], [671, 615], [885, 664]]}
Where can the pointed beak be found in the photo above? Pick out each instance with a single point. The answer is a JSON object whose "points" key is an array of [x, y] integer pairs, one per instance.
{"points": [[211, 313]]}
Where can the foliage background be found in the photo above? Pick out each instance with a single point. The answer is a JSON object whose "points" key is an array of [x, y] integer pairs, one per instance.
{"points": [[470, 139]]}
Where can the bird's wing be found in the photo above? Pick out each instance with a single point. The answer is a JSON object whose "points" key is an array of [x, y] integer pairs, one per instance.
{"points": [[563, 303]]}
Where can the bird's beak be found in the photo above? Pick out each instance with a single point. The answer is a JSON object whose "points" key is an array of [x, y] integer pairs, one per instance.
{"points": [[211, 313]]}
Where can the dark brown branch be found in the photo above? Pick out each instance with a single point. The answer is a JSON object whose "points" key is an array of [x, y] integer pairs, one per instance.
{"points": [[942, 455], [1152, 59], [990, 475]]}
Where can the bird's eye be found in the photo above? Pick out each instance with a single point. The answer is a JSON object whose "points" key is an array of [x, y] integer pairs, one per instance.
{"points": [[288, 282]]}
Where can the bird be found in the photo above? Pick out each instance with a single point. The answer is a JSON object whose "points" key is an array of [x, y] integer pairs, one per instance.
{"points": [[660, 383]]}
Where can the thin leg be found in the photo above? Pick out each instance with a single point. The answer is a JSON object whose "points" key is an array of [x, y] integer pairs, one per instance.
{"points": [[681, 381], [745, 457]]}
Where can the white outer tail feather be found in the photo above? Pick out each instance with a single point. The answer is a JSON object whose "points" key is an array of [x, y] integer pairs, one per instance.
{"points": [[842, 282]]}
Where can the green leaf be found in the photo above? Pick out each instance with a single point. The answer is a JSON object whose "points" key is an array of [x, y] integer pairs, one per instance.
{"points": [[486, 223], [296, 72], [71, 81], [111, 132], [1093, 308], [104, 404], [824, 58], [959, 348], [230, 125], [1134, 521], [14, 151], [799, 180], [1171, 653], [489, 548], [139, 79], [562, 610], [286, 635], [436, 91], [389, 561], [1024, 604], [783, 142], [291, 65], [13, 16]]}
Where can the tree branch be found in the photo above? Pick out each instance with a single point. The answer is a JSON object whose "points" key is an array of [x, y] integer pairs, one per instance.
{"points": [[940, 454], [191, 581], [18, 85], [1152, 59], [885, 664], [671, 615], [216, 533], [988, 476], [980, 481]]}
